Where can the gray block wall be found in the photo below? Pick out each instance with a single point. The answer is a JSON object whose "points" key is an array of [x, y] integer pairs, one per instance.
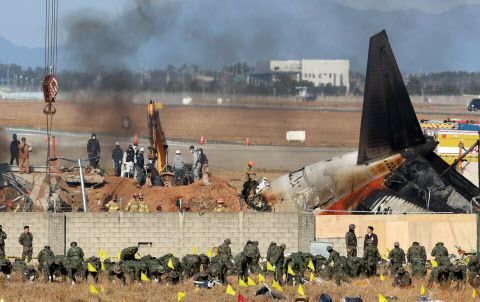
{"points": [[167, 232]]}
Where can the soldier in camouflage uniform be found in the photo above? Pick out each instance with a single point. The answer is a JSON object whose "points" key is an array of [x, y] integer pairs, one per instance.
{"points": [[351, 241], [458, 275], [297, 264], [152, 268], [130, 265], [26, 240], [402, 278], [3, 236], [473, 266], [46, 263], [114, 270], [355, 266], [28, 272], [74, 262], [270, 250], [371, 256], [97, 264], [439, 274], [191, 265], [417, 258], [396, 257], [216, 270], [253, 255], [241, 266], [204, 262], [277, 259], [334, 264], [441, 254], [5, 265], [225, 254]]}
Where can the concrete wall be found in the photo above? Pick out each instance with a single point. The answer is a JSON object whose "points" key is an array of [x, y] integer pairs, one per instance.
{"points": [[428, 229], [168, 232]]}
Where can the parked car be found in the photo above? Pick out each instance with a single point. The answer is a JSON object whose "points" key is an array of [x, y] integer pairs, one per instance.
{"points": [[474, 105]]}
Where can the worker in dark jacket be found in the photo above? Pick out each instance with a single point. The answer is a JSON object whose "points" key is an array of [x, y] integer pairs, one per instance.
{"points": [[370, 236], [152, 172], [139, 168], [117, 156], [14, 149], [93, 151]]}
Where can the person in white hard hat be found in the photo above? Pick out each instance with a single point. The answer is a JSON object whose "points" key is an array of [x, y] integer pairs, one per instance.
{"points": [[178, 168]]}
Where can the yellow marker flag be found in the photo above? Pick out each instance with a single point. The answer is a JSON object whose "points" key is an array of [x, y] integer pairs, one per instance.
{"points": [[230, 291], [209, 253], [312, 277], [91, 268], [137, 256], [194, 250], [277, 286], [382, 278], [261, 278], [290, 271], [422, 291], [300, 290], [242, 283], [93, 290], [102, 267], [144, 277], [251, 282], [434, 263], [270, 267], [170, 264], [474, 293], [310, 265], [1, 300], [180, 296], [118, 255], [332, 264], [381, 298], [102, 254]]}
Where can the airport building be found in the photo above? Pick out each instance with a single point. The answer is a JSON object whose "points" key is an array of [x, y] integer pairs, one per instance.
{"points": [[319, 72]]}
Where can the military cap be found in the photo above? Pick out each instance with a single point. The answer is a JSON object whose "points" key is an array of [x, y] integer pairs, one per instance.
{"points": [[227, 241], [283, 246], [329, 248], [73, 244]]}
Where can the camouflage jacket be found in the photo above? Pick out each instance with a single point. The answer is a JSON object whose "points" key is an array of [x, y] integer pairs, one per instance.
{"points": [[350, 239], [371, 255], [75, 253], [26, 240], [224, 250], [416, 254], [397, 256]]}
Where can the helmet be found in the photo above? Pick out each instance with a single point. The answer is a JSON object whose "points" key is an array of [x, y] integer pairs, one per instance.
{"points": [[93, 135], [251, 164], [73, 244], [142, 150], [178, 152], [401, 270], [14, 136], [351, 227], [191, 148], [329, 248], [283, 246], [117, 144], [227, 241], [396, 244]]}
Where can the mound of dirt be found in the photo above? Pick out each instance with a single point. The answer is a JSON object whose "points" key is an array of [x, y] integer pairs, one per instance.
{"points": [[218, 196]]}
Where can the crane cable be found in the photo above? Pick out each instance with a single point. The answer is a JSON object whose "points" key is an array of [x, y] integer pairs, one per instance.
{"points": [[50, 84]]}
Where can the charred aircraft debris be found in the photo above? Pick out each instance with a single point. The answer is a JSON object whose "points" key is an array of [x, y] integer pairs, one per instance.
{"points": [[395, 169]]}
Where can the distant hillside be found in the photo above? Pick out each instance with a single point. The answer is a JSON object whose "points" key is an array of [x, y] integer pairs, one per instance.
{"points": [[11, 53]]}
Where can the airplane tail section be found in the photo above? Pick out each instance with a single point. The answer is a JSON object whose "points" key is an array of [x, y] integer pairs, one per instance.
{"points": [[389, 123]]}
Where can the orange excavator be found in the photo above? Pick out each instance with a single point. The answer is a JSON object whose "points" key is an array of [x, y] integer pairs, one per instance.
{"points": [[158, 149]]}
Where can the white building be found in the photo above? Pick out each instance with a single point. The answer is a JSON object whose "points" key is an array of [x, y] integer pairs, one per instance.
{"points": [[319, 72]]}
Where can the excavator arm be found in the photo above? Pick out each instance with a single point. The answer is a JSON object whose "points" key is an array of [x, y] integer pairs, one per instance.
{"points": [[158, 149]]}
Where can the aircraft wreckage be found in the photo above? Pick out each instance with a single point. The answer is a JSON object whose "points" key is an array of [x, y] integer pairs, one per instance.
{"points": [[395, 169]]}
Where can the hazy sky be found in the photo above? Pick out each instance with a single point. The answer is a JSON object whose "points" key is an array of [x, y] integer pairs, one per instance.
{"points": [[22, 21]]}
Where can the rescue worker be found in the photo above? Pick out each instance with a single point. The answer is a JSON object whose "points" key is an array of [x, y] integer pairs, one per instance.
{"points": [[195, 159], [351, 241], [402, 278], [14, 149], [26, 240], [270, 250], [371, 256], [225, 254], [24, 156], [440, 253], [129, 162], [277, 259], [178, 168], [133, 204], [252, 253], [297, 264], [199, 165], [370, 236], [142, 206], [3, 236], [334, 262], [417, 258], [113, 206], [74, 263], [140, 168], [93, 151], [152, 172], [396, 257], [249, 184], [117, 156]]}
